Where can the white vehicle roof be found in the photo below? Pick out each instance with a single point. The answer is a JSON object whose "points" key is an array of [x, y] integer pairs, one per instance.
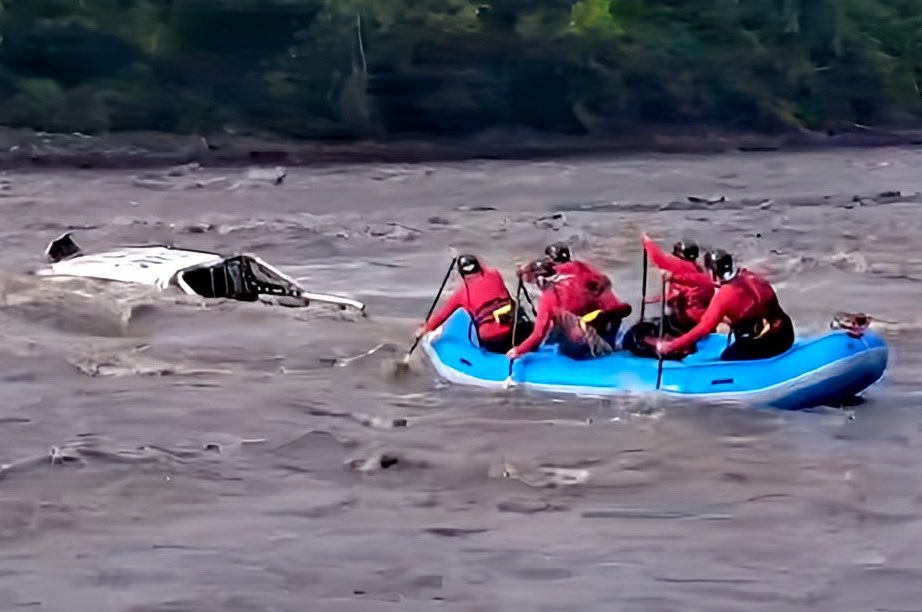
{"points": [[243, 276], [146, 265]]}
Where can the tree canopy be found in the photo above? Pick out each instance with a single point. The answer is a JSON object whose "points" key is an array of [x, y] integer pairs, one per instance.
{"points": [[342, 69]]}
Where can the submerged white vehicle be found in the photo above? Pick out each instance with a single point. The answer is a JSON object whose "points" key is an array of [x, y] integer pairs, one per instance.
{"points": [[240, 277]]}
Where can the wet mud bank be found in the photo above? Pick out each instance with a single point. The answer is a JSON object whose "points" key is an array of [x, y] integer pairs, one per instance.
{"points": [[23, 148]]}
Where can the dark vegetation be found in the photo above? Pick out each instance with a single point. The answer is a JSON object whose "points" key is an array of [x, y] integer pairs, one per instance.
{"points": [[347, 69]]}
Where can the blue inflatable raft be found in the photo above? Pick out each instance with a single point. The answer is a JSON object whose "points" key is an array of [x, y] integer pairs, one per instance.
{"points": [[823, 370]]}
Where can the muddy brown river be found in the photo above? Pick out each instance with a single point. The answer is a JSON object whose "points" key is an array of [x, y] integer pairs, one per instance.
{"points": [[167, 454]]}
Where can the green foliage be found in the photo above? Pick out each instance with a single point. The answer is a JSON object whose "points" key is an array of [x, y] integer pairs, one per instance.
{"points": [[350, 68], [594, 16]]}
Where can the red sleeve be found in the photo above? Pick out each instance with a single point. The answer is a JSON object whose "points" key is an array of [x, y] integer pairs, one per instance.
{"points": [[598, 276], [693, 278], [666, 261], [453, 304], [547, 305], [708, 323]]}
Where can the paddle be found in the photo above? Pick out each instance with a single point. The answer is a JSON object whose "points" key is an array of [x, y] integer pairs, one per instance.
{"points": [[643, 291], [534, 310], [406, 359], [515, 322], [662, 328]]}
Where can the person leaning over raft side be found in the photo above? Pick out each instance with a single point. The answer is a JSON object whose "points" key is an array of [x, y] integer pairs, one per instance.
{"points": [[760, 327], [483, 294], [606, 318], [563, 301], [691, 289]]}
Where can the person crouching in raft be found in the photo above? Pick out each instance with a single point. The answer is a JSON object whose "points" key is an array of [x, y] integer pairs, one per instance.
{"points": [[483, 294], [745, 301], [563, 303], [606, 319], [690, 291]]}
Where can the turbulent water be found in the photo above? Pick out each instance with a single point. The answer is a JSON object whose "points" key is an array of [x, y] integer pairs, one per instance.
{"points": [[163, 453]]}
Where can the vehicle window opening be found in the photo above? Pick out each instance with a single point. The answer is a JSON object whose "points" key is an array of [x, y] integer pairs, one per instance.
{"points": [[238, 278]]}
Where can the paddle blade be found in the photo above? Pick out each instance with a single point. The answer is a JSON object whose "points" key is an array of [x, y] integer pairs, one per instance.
{"points": [[402, 365]]}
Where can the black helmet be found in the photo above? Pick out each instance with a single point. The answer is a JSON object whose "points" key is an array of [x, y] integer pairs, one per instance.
{"points": [[685, 250], [468, 264], [558, 252], [535, 271], [720, 263]]}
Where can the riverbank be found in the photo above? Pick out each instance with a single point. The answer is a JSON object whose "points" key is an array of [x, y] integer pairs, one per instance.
{"points": [[23, 148]]}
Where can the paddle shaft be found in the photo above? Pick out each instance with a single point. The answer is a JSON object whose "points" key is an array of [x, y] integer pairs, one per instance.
{"points": [[515, 321], [534, 310], [451, 267], [643, 291], [662, 329]]}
